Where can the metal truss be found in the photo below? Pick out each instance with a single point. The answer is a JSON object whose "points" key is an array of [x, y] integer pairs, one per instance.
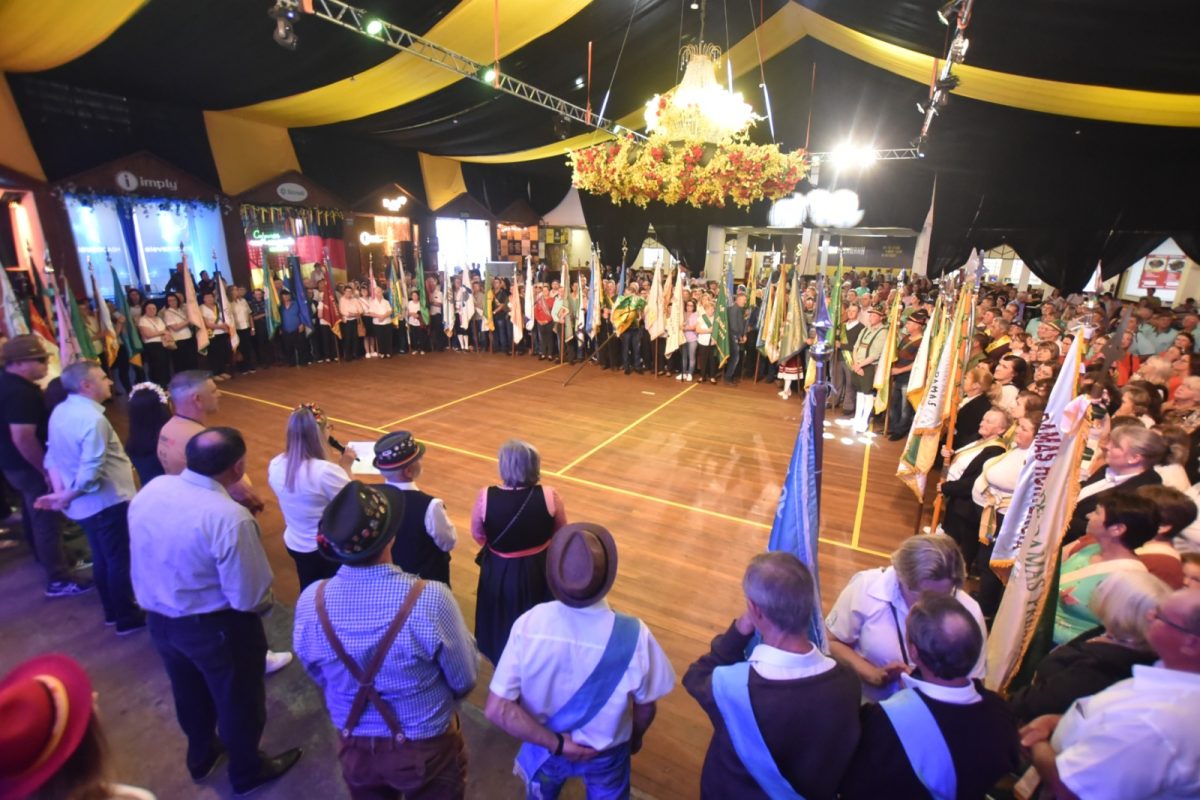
{"points": [[359, 21], [895, 154]]}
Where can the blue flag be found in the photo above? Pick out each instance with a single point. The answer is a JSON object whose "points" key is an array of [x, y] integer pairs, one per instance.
{"points": [[299, 293], [621, 283], [797, 517]]}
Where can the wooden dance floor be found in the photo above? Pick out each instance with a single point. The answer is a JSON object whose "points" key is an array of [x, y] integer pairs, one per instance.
{"points": [[686, 476]]}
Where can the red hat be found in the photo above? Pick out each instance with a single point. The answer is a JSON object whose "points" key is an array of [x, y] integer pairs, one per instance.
{"points": [[45, 707]]}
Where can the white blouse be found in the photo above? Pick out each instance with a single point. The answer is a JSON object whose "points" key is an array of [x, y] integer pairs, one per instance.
{"points": [[999, 477], [151, 329], [350, 308], [174, 316], [317, 482], [380, 309]]}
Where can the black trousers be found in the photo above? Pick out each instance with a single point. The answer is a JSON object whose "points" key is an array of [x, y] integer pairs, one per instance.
{"points": [[158, 363], [216, 663], [295, 348], [246, 348], [384, 331], [312, 567], [262, 345], [705, 362], [184, 356], [349, 340], [107, 533], [220, 355], [324, 344], [631, 348], [548, 338]]}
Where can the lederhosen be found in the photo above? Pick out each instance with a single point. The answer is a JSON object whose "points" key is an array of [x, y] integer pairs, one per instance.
{"points": [[865, 383]]}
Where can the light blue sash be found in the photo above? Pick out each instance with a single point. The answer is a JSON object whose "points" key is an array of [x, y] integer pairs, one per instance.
{"points": [[731, 690], [587, 701], [923, 743]]}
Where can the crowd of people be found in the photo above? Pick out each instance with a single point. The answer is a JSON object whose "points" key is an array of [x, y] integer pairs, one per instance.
{"points": [[895, 707]]}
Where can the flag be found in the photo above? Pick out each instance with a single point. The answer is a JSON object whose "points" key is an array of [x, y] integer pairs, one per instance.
{"points": [[270, 302], [396, 290], [1027, 546], [591, 323], [69, 348], [675, 337], [564, 283], [449, 303], [86, 350], [223, 314], [489, 297], [656, 312], [797, 517], [329, 308], [419, 277], [129, 334], [925, 435], [14, 318], [764, 321], [300, 294], [721, 324], [920, 367], [517, 312], [45, 296], [108, 332], [41, 329], [794, 332], [883, 367], [920, 265], [192, 307], [528, 294]]}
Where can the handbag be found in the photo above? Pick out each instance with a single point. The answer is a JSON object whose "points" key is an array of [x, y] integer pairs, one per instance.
{"points": [[507, 528]]}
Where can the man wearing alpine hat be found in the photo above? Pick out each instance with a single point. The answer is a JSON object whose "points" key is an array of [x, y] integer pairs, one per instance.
{"points": [[578, 683], [426, 535], [393, 699]]}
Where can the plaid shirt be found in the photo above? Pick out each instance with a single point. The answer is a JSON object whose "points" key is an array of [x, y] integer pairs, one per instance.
{"points": [[256, 306], [432, 664]]}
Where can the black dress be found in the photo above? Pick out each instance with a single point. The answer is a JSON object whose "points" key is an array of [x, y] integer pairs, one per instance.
{"points": [[508, 587]]}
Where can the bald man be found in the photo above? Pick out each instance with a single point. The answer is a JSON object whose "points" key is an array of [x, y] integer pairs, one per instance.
{"points": [[1139, 737]]}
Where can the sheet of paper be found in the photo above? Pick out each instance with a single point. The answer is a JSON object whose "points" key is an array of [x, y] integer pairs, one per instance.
{"points": [[365, 452]]}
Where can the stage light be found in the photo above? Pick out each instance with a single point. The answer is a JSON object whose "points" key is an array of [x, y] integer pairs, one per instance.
{"points": [[284, 13], [489, 75], [695, 6], [851, 156], [920, 107], [375, 27], [579, 82], [948, 83], [949, 10]]}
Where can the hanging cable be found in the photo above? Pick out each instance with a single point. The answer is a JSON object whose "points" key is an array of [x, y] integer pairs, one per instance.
{"points": [[616, 66], [728, 57], [762, 73], [679, 41]]}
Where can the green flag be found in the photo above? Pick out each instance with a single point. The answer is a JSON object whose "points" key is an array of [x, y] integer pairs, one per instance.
{"points": [[795, 329], [81, 332], [129, 332], [721, 323]]}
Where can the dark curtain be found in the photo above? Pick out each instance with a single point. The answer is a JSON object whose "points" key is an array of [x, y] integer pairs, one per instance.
{"points": [[609, 224], [1189, 243], [1124, 249], [8, 244], [686, 240], [1058, 256]]}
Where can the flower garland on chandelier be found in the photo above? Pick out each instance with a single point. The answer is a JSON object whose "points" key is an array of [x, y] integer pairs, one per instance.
{"points": [[698, 173]]}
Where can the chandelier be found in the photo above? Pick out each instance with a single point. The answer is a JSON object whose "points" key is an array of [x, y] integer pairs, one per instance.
{"points": [[698, 150]]}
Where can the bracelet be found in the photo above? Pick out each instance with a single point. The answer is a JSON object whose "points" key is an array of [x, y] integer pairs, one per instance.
{"points": [[561, 741]]}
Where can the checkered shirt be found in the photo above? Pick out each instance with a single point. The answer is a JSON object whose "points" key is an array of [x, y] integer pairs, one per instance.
{"points": [[432, 663]]}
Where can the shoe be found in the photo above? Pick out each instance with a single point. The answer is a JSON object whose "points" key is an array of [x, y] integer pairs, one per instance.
{"points": [[271, 769], [277, 661], [628, 370], [679, 377], [895, 437], [68, 588], [712, 380], [205, 770], [688, 377], [641, 372], [133, 626]]}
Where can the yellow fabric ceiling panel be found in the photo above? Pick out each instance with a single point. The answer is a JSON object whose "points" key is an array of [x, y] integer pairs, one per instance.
{"points": [[43, 34], [781, 30], [443, 180], [246, 152], [16, 150], [1017, 91], [404, 78]]}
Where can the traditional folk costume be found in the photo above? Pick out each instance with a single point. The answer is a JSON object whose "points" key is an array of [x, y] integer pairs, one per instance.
{"points": [[868, 348]]}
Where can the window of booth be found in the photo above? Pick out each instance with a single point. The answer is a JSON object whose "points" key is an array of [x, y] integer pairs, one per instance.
{"points": [[462, 242], [142, 236]]}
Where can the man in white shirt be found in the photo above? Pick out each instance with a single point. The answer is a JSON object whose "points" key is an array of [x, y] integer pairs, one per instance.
{"points": [[1139, 737], [578, 683], [203, 587], [219, 352], [243, 323], [93, 484], [426, 536]]}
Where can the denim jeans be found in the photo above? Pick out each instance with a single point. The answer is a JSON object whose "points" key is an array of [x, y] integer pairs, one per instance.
{"points": [[735, 357], [606, 776], [107, 533], [503, 332], [631, 348], [43, 528], [689, 358], [900, 415]]}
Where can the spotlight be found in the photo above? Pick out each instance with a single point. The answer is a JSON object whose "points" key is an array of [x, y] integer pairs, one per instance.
{"points": [[695, 6], [579, 82], [850, 156], [919, 143], [375, 27], [947, 84], [920, 107], [562, 127], [284, 13], [949, 10], [489, 75]]}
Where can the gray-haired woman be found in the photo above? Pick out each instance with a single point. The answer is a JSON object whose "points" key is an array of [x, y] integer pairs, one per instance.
{"points": [[513, 523]]}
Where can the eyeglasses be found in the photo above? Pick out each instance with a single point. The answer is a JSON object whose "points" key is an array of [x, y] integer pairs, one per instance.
{"points": [[1155, 614]]}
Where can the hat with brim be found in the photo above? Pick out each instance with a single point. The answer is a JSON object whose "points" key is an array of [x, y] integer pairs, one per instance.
{"points": [[877, 309], [24, 347], [581, 564], [45, 706], [359, 522], [920, 316], [397, 450]]}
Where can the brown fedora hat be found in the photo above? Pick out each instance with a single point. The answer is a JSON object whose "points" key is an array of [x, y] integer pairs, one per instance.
{"points": [[581, 564]]}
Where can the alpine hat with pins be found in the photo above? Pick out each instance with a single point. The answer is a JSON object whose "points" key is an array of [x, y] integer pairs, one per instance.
{"points": [[359, 522], [396, 450]]}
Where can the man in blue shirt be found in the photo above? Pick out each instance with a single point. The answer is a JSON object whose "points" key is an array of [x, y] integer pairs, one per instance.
{"points": [[1156, 335], [292, 331], [93, 484]]}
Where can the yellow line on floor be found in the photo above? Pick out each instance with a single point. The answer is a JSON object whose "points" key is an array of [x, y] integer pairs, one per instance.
{"points": [[471, 396], [584, 481], [625, 430]]}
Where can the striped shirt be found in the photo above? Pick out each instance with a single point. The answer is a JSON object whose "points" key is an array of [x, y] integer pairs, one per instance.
{"points": [[432, 664]]}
